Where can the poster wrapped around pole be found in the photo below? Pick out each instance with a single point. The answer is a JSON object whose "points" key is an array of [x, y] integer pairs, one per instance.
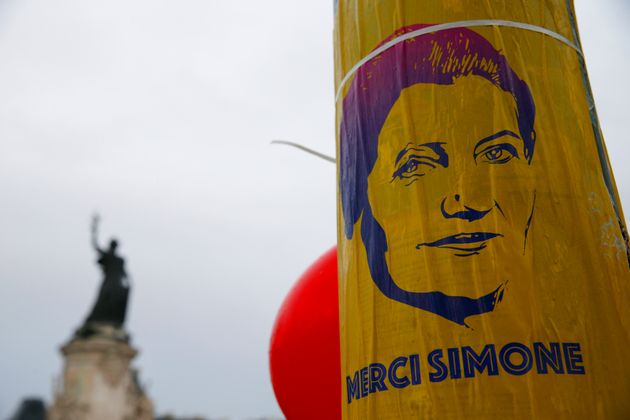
{"points": [[484, 269]]}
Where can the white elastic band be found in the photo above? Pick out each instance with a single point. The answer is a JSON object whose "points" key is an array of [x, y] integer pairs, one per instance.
{"points": [[451, 25], [306, 149]]}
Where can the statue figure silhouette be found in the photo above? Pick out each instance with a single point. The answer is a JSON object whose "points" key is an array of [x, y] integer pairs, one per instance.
{"points": [[111, 304]]}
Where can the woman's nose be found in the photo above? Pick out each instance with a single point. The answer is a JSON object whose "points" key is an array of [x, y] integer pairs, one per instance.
{"points": [[453, 207]]}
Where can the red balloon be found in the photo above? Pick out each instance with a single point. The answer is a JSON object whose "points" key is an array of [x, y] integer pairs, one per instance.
{"points": [[304, 355]]}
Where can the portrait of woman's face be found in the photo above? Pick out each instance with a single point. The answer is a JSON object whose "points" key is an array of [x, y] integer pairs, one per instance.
{"points": [[455, 189], [436, 147]]}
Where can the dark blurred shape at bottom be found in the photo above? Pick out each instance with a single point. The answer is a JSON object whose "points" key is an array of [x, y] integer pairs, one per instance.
{"points": [[30, 409]]}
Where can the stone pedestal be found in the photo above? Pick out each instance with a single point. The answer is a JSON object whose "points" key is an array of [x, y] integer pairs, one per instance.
{"points": [[98, 382]]}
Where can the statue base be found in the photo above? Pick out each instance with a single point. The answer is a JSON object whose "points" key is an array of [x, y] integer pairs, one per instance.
{"points": [[98, 381]]}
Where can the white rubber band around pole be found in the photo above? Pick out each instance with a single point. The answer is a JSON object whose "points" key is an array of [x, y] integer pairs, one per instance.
{"points": [[452, 25]]}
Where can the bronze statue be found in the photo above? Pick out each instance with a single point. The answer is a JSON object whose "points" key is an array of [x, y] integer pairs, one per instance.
{"points": [[111, 304]]}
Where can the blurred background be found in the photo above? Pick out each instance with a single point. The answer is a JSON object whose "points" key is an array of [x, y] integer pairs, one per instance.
{"points": [[159, 115]]}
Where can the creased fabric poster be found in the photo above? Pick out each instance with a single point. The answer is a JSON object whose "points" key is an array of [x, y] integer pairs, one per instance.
{"points": [[484, 269]]}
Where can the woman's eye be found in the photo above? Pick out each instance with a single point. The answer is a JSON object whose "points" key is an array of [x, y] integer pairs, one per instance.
{"points": [[494, 154], [414, 167], [500, 153], [410, 167]]}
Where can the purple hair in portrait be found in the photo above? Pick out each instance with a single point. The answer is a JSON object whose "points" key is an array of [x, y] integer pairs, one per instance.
{"points": [[438, 58]]}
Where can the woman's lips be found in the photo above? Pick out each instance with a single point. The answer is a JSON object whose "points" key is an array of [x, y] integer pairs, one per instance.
{"points": [[475, 240]]}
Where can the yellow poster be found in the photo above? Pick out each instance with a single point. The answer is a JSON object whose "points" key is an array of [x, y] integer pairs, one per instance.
{"points": [[484, 269]]}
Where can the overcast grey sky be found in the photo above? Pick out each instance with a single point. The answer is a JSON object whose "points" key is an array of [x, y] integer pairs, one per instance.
{"points": [[158, 114]]}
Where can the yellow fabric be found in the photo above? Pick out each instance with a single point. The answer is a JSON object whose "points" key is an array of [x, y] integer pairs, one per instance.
{"points": [[558, 262]]}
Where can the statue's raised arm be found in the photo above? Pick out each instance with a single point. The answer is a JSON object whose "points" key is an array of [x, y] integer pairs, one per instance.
{"points": [[95, 220]]}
